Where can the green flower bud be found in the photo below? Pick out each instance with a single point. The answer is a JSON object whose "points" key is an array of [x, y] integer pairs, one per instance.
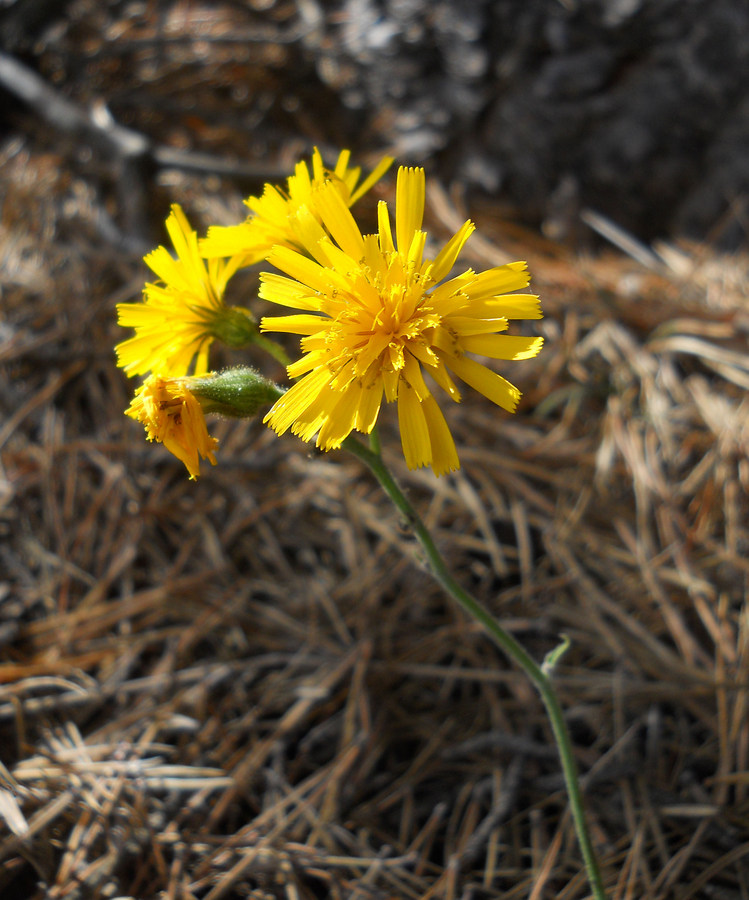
{"points": [[239, 393]]}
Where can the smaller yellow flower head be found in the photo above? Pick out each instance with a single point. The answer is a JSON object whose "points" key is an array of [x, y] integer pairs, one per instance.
{"points": [[378, 316], [180, 314], [272, 221], [173, 416]]}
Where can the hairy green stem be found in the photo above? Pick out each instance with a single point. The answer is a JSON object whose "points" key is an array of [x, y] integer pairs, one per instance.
{"points": [[371, 457]]}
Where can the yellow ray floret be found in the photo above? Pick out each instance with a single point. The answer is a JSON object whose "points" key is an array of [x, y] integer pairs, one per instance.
{"points": [[273, 214], [175, 324], [173, 416], [377, 316]]}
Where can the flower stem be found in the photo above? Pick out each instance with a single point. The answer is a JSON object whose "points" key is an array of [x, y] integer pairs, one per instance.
{"points": [[275, 350], [539, 677]]}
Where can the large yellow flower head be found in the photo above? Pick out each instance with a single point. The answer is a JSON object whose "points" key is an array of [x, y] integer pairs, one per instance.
{"points": [[173, 416], [273, 214], [378, 315], [183, 312]]}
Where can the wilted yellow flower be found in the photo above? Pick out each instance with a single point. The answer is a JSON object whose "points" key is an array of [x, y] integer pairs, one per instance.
{"points": [[378, 316], [184, 312], [272, 221], [173, 416]]}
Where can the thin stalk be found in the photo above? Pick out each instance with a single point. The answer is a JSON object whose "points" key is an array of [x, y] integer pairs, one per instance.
{"points": [[372, 458], [270, 346]]}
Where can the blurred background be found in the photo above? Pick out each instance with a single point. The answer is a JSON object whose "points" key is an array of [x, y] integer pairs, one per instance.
{"points": [[638, 110]]}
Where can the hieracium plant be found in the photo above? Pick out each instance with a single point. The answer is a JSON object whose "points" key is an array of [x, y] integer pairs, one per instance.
{"points": [[374, 315]]}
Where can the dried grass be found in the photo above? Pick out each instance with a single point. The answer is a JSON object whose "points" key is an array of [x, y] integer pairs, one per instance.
{"points": [[248, 686]]}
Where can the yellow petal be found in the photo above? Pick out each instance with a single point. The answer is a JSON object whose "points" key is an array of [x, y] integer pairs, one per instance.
{"points": [[170, 270], [295, 401], [445, 259], [409, 205], [508, 306], [416, 248], [302, 269], [341, 419], [466, 325], [318, 169], [369, 407], [384, 228], [412, 422], [502, 346], [184, 239], [337, 218], [286, 292], [309, 232], [341, 166], [499, 280], [490, 384], [412, 374], [316, 414], [244, 245], [302, 324], [374, 176], [336, 258], [444, 455]]}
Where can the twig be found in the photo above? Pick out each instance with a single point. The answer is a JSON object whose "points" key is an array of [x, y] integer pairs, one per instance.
{"points": [[134, 154], [622, 239]]}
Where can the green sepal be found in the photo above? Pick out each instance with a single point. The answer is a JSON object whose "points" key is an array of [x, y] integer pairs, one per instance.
{"points": [[235, 327]]}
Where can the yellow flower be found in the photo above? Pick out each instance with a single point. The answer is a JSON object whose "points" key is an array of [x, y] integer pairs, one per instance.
{"points": [[173, 416], [272, 221], [378, 316], [182, 313]]}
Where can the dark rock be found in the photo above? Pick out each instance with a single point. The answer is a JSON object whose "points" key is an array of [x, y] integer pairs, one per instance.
{"points": [[640, 104]]}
